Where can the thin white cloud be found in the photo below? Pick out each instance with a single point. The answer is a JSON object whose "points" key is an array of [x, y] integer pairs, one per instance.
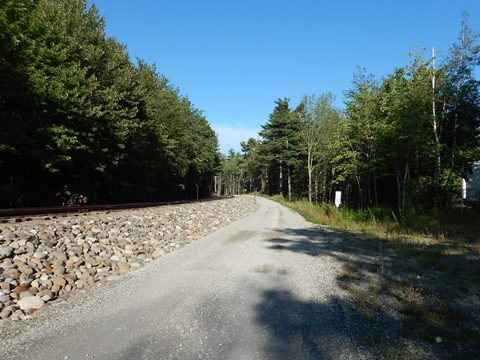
{"points": [[230, 136]]}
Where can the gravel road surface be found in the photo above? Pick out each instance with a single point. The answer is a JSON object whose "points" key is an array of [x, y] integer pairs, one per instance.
{"points": [[244, 292]]}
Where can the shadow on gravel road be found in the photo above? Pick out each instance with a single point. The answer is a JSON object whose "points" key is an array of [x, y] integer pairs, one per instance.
{"points": [[303, 330], [409, 305]]}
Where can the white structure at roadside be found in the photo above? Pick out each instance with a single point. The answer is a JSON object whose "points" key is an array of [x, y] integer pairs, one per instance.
{"points": [[338, 198], [472, 193]]}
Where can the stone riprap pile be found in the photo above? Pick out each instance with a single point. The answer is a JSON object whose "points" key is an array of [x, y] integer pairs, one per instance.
{"points": [[43, 260]]}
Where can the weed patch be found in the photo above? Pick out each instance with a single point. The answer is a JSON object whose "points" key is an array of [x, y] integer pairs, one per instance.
{"points": [[414, 281]]}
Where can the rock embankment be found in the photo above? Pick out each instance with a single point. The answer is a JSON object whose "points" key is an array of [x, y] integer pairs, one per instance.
{"points": [[43, 260]]}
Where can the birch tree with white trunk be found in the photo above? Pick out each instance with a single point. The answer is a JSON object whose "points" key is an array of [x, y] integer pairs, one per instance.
{"points": [[315, 129]]}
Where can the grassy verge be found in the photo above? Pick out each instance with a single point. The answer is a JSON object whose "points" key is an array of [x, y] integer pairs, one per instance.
{"points": [[459, 224], [417, 279]]}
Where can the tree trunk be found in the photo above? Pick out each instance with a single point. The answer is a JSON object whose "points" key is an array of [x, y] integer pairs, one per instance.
{"points": [[375, 190], [219, 186], [369, 192], [262, 182], [360, 190], [310, 170], [406, 178], [325, 194], [289, 180], [280, 179], [267, 181], [330, 191], [399, 188]]}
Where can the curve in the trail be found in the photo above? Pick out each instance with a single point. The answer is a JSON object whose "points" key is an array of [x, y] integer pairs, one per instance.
{"points": [[253, 290]]}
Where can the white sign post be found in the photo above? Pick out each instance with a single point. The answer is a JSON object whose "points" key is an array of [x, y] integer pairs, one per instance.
{"points": [[338, 198], [464, 189]]}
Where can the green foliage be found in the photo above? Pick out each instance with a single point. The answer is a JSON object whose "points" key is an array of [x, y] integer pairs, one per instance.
{"points": [[78, 115], [274, 145], [232, 179], [319, 129], [252, 161], [403, 142]]}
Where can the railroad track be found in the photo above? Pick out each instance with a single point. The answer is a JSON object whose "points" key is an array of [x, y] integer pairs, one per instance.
{"points": [[10, 215]]}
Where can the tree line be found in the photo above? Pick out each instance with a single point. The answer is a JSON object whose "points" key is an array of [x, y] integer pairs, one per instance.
{"points": [[403, 141], [78, 117]]}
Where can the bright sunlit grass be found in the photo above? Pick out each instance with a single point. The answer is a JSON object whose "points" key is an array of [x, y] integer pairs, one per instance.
{"points": [[446, 247], [460, 225]]}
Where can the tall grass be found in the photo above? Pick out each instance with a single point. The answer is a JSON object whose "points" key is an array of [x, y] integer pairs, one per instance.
{"points": [[458, 224], [429, 292]]}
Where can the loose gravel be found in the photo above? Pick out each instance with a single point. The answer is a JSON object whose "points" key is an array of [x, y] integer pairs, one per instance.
{"points": [[261, 288], [46, 261]]}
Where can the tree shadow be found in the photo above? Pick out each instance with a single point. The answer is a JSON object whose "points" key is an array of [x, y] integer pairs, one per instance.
{"points": [[383, 316], [299, 329], [288, 328], [414, 292], [442, 263]]}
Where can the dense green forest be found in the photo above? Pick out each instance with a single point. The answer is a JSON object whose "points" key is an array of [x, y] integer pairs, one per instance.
{"points": [[403, 141], [78, 117]]}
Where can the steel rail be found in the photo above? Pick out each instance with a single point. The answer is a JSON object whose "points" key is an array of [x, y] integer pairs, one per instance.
{"points": [[24, 214]]}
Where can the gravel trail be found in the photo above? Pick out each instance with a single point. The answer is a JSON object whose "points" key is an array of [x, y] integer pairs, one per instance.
{"points": [[248, 291], [46, 260]]}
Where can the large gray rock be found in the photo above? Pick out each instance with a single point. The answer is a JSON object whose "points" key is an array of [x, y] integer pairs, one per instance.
{"points": [[5, 252], [157, 253], [59, 255], [25, 269], [123, 267], [25, 294], [115, 258], [46, 295], [59, 271], [7, 234], [39, 255], [30, 303], [5, 313], [59, 281], [4, 322], [17, 315]]}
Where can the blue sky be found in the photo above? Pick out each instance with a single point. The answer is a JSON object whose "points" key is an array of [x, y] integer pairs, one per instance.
{"points": [[234, 58]]}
